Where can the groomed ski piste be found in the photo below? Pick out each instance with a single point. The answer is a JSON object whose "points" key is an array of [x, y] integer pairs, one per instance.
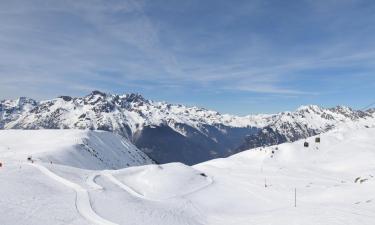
{"points": [[331, 182]]}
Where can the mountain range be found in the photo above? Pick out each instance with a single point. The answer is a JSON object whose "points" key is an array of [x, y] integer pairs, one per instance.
{"points": [[174, 132]]}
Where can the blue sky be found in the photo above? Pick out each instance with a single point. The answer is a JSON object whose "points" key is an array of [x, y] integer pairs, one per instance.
{"points": [[237, 57]]}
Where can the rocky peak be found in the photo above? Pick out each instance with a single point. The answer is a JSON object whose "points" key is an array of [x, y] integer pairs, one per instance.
{"points": [[95, 97], [66, 98], [96, 92], [342, 109], [134, 97], [309, 109], [349, 112], [19, 103]]}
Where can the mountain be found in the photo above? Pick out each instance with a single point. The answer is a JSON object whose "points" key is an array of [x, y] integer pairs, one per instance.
{"points": [[10, 110], [305, 122], [83, 149], [173, 132]]}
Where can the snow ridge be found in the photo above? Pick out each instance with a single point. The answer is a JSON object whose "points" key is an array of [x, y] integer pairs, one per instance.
{"points": [[78, 148]]}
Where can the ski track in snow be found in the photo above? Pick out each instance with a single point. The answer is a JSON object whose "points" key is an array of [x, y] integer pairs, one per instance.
{"points": [[91, 182], [125, 187], [82, 200], [187, 203], [138, 195]]}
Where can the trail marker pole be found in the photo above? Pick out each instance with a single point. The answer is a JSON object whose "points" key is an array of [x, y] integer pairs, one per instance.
{"points": [[295, 197]]}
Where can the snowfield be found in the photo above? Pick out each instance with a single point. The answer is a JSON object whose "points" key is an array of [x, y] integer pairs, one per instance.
{"points": [[159, 182], [77, 148], [334, 183]]}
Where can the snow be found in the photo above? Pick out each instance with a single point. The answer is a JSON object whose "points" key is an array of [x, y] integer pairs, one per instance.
{"points": [[29, 197], [78, 148], [159, 182], [82, 200], [334, 181], [323, 175]]}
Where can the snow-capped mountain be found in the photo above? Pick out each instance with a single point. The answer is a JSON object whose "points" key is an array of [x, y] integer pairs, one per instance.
{"points": [[10, 110], [172, 132], [306, 121]]}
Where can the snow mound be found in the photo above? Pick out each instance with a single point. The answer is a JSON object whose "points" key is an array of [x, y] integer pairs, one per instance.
{"points": [[78, 148], [165, 181]]}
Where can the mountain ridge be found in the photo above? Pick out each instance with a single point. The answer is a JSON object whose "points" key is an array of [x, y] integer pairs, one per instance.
{"points": [[173, 132]]}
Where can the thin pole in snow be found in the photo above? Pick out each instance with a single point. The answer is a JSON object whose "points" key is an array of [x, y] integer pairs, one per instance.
{"points": [[295, 197]]}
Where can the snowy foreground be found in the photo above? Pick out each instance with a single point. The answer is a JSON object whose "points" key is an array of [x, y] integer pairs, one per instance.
{"points": [[334, 181]]}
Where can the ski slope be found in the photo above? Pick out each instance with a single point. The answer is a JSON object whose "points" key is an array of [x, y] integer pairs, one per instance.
{"points": [[82, 201], [327, 177], [334, 181]]}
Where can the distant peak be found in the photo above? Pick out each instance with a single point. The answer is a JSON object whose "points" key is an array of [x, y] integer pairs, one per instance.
{"points": [[96, 92], [309, 107], [342, 109], [65, 98], [134, 97], [25, 100]]}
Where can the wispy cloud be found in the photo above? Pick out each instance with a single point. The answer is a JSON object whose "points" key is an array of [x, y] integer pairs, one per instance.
{"points": [[254, 48]]}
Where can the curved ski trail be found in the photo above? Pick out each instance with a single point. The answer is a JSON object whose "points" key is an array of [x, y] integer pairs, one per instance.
{"points": [[125, 187], [90, 181], [82, 200], [134, 193]]}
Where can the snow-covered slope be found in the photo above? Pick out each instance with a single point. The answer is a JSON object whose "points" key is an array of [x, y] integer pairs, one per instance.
{"points": [[161, 182], [79, 148], [334, 182], [170, 132]]}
